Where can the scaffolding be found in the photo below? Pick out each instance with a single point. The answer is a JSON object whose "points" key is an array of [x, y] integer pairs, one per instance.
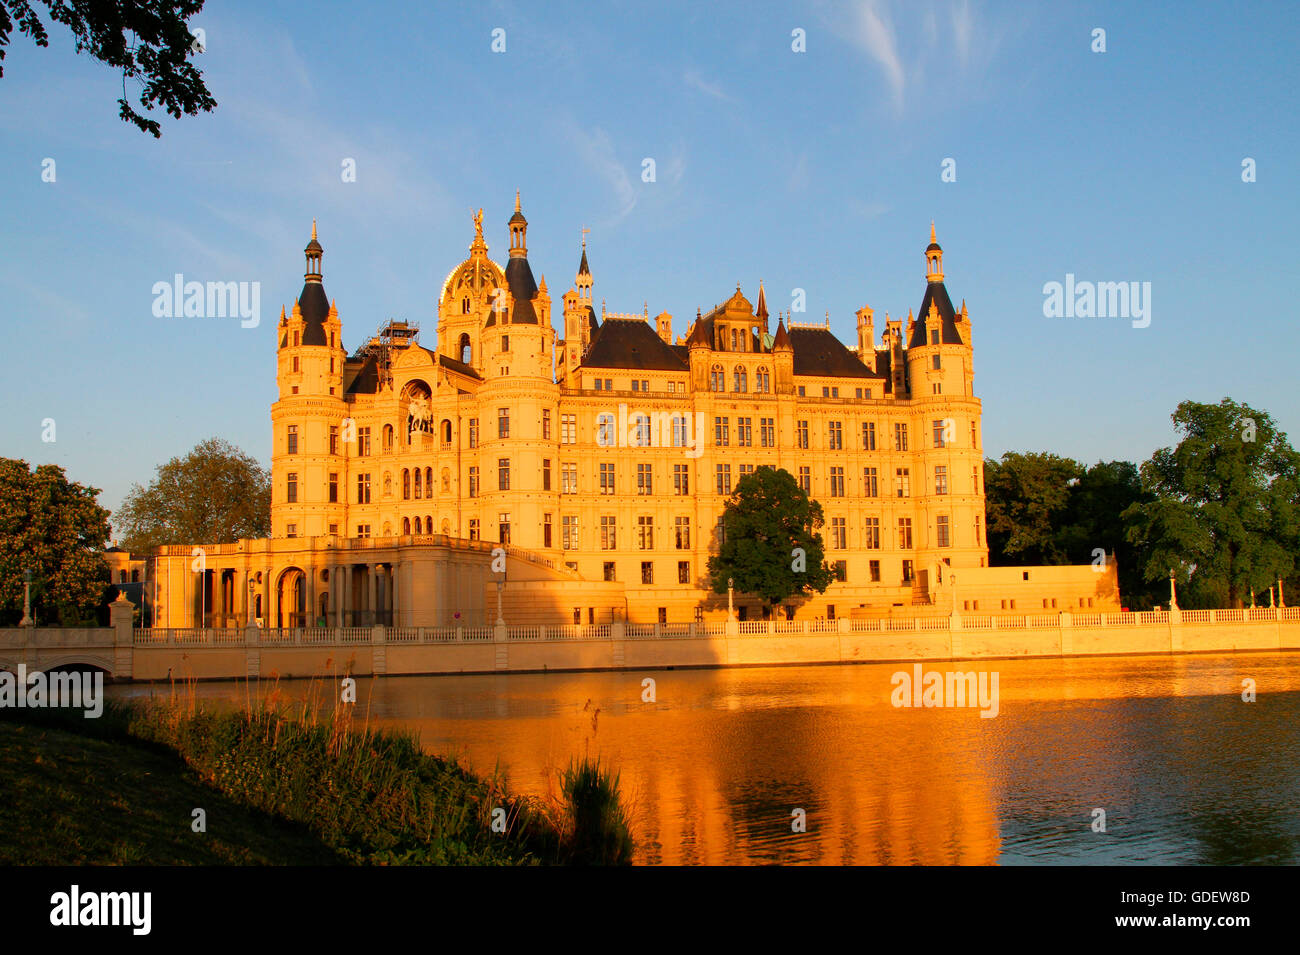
{"points": [[390, 337]]}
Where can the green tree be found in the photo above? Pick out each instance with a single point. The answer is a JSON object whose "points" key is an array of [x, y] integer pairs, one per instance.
{"points": [[149, 42], [1224, 513], [770, 546], [57, 530], [216, 494], [1026, 502], [1094, 521]]}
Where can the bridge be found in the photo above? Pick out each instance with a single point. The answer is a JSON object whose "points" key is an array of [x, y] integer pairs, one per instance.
{"points": [[128, 653]]}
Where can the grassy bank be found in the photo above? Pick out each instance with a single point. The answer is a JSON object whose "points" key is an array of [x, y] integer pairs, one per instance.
{"points": [[278, 787]]}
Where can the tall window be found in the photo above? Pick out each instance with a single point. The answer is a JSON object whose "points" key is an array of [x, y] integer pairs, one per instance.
{"points": [[607, 478], [873, 566], [419, 479], [940, 479], [839, 533], [767, 432], [546, 474], [717, 379], [723, 475], [293, 439], [608, 532], [871, 539], [978, 542], [837, 482], [805, 479], [473, 528], [569, 429], [292, 488], [762, 381], [334, 439], [503, 474], [503, 422], [835, 436], [642, 430], [868, 436], [740, 380], [546, 424], [473, 481], [870, 486], [473, 432], [546, 530], [907, 572], [644, 479], [683, 571], [645, 533], [745, 432], [801, 435], [681, 479], [363, 442], [679, 431], [975, 479], [647, 572], [363, 488], [905, 533], [936, 433], [503, 527], [569, 532], [900, 437], [604, 431], [974, 435], [941, 531], [902, 482], [334, 487], [682, 533], [569, 477], [721, 432]]}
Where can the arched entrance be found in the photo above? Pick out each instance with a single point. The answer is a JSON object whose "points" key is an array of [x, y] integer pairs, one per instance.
{"points": [[291, 599]]}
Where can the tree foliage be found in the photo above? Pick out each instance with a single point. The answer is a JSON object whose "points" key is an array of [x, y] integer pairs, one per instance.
{"points": [[770, 544], [57, 530], [216, 494], [1224, 513], [148, 40]]}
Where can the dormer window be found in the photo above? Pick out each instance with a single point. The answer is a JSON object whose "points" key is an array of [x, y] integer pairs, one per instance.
{"points": [[295, 339], [934, 336]]}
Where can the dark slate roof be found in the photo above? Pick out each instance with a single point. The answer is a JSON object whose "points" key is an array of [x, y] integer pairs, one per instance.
{"points": [[315, 308], [818, 352], [782, 339], [935, 292], [522, 285], [683, 352], [632, 343], [453, 364], [582, 266], [365, 380], [882, 363], [593, 324], [701, 332]]}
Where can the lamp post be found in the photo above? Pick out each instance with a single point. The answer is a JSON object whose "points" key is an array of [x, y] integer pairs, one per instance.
{"points": [[501, 621], [1173, 591], [27, 620], [731, 605], [1281, 602], [252, 588]]}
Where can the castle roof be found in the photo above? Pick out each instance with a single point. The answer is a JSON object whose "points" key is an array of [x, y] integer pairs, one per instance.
{"points": [[818, 353], [936, 293], [631, 343]]}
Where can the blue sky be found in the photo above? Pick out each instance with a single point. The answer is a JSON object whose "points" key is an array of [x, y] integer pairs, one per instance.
{"points": [[817, 170]]}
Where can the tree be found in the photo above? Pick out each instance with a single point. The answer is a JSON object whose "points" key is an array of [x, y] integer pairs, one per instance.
{"points": [[1224, 513], [770, 546], [57, 530], [216, 494], [1093, 521], [147, 41], [1026, 501]]}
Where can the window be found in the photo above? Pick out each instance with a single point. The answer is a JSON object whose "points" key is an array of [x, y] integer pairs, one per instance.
{"points": [[900, 437], [941, 532], [767, 432], [740, 380], [835, 436], [569, 532], [907, 571], [505, 343], [292, 488], [600, 384], [607, 478], [363, 530], [746, 469], [388, 437], [473, 481], [977, 532], [682, 533], [608, 534], [569, 428], [642, 423], [604, 431], [363, 442], [940, 479], [720, 530], [645, 533], [935, 364], [826, 391], [805, 479], [334, 439], [503, 422], [902, 483], [679, 431], [837, 482], [546, 424], [934, 336], [974, 440], [975, 479], [830, 611], [871, 538], [868, 436], [609, 570], [870, 485], [295, 359], [546, 474], [905, 533], [643, 383], [762, 381], [363, 488], [723, 475], [745, 432], [290, 530], [839, 533], [841, 569], [334, 487], [644, 478], [721, 432], [647, 572], [473, 528], [473, 432], [293, 439], [569, 478], [546, 530], [873, 567], [717, 379], [503, 528], [683, 571], [801, 435], [681, 479], [503, 474], [801, 392], [936, 433]]}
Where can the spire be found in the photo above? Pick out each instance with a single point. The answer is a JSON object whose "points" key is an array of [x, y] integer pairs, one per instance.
{"points": [[313, 252], [761, 311], [933, 258], [312, 304], [518, 232], [933, 241], [479, 246], [782, 340]]}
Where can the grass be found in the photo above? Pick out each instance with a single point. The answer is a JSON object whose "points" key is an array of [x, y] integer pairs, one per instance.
{"points": [[281, 786]]}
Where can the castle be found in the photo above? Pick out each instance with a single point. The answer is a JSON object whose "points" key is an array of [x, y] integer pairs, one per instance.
{"points": [[600, 463]]}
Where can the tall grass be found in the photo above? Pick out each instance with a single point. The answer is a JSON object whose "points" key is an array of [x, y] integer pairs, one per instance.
{"points": [[597, 829]]}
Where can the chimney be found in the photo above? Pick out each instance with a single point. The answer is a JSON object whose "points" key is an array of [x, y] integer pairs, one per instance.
{"points": [[664, 326]]}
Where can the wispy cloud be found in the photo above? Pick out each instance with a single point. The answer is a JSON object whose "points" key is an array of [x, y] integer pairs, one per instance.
{"points": [[596, 150], [693, 79], [875, 34]]}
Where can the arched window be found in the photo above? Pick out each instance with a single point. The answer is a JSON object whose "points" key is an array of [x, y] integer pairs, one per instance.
{"points": [[406, 484], [733, 340], [418, 475], [464, 350], [428, 483], [464, 305], [388, 437], [121, 576], [717, 379], [135, 576], [740, 380], [762, 381], [446, 431], [295, 339], [428, 524], [406, 527], [417, 525]]}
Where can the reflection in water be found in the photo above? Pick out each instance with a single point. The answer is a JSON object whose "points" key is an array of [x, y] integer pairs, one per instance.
{"points": [[1185, 770]]}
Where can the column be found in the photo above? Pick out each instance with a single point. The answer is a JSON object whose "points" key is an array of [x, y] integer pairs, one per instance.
{"points": [[393, 573], [309, 618], [372, 571]]}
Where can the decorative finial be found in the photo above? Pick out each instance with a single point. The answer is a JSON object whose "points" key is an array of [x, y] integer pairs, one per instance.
{"points": [[478, 222], [932, 238], [585, 230], [517, 209], [313, 228]]}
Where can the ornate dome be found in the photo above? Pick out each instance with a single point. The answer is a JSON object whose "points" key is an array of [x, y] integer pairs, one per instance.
{"points": [[475, 276]]}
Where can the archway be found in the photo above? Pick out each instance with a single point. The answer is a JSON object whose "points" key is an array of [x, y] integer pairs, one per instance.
{"points": [[291, 598]]}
